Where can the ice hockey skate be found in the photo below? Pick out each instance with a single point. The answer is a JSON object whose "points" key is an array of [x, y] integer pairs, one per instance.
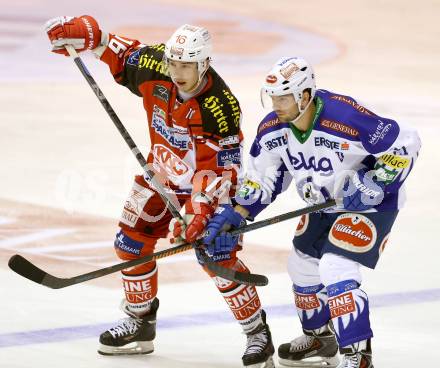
{"points": [[133, 335], [259, 347], [357, 355], [316, 348]]}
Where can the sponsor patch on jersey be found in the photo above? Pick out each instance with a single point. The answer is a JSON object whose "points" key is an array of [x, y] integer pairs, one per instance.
{"points": [[276, 142], [339, 127], [300, 162], [133, 59], [229, 157], [388, 166], [170, 134], [382, 130], [351, 102], [173, 165], [248, 189], [252, 184], [135, 203], [161, 92], [353, 232], [268, 124], [324, 142], [394, 161], [302, 225], [148, 61], [385, 174], [216, 107], [230, 140]]}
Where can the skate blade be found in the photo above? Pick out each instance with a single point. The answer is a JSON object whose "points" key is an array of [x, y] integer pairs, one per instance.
{"points": [[269, 363], [133, 348], [315, 362]]}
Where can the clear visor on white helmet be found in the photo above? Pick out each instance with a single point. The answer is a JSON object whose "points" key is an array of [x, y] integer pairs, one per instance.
{"points": [[189, 44], [289, 76]]}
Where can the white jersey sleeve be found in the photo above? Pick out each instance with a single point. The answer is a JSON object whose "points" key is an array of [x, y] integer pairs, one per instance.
{"points": [[266, 176], [394, 165]]}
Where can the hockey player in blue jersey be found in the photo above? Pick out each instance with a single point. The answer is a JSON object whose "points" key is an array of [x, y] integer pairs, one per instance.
{"points": [[332, 147]]}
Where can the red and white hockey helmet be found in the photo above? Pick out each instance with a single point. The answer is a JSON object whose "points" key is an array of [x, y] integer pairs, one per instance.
{"points": [[290, 75], [190, 44]]}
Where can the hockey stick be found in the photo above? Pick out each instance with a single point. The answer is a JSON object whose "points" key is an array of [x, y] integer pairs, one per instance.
{"points": [[240, 277], [28, 270], [283, 217]]}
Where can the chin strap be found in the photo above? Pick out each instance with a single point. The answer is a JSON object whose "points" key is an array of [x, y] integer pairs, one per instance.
{"points": [[301, 112]]}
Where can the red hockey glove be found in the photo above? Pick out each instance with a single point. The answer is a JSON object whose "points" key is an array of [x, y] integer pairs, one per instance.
{"points": [[202, 213], [196, 217], [82, 33]]}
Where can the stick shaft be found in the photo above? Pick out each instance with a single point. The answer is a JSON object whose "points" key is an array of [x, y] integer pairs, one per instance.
{"points": [[283, 217], [173, 207], [135, 262], [184, 247]]}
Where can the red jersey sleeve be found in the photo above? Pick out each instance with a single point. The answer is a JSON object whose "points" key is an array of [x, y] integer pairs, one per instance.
{"points": [[132, 63]]}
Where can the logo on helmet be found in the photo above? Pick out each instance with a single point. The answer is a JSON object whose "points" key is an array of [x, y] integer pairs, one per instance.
{"points": [[191, 28], [289, 70], [271, 79], [178, 51]]}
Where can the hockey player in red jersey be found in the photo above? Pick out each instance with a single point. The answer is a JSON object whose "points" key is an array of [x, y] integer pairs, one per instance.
{"points": [[194, 127]]}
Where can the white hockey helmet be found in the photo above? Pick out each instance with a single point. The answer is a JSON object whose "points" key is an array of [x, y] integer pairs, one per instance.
{"points": [[290, 75], [190, 44]]}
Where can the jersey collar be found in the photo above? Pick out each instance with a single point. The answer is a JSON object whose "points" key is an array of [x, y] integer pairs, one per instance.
{"points": [[303, 136]]}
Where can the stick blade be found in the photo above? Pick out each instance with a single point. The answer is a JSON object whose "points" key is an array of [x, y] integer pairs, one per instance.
{"points": [[245, 278], [236, 276], [28, 270], [24, 268]]}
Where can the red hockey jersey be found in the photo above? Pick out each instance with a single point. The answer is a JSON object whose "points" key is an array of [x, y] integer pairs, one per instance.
{"points": [[193, 143]]}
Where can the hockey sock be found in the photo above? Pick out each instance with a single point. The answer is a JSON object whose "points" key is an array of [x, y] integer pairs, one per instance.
{"points": [[243, 300], [140, 291], [349, 312], [311, 305]]}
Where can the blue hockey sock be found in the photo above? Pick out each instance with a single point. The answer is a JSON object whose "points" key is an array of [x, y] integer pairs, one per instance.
{"points": [[311, 304], [349, 312]]}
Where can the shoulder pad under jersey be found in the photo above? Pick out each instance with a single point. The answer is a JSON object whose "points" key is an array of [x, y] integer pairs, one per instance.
{"points": [[269, 124], [343, 116], [219, 108], [148, 61]]}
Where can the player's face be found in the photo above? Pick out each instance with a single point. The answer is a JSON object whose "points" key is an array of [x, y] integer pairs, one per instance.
{"points": [[184, 75], [285, 107]]}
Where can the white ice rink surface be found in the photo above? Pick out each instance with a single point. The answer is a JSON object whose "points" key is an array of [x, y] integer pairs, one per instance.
{"points": [[65, 172]]}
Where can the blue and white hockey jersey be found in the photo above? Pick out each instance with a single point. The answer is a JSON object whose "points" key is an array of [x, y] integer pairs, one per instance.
{"points": [[344, 136]]}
